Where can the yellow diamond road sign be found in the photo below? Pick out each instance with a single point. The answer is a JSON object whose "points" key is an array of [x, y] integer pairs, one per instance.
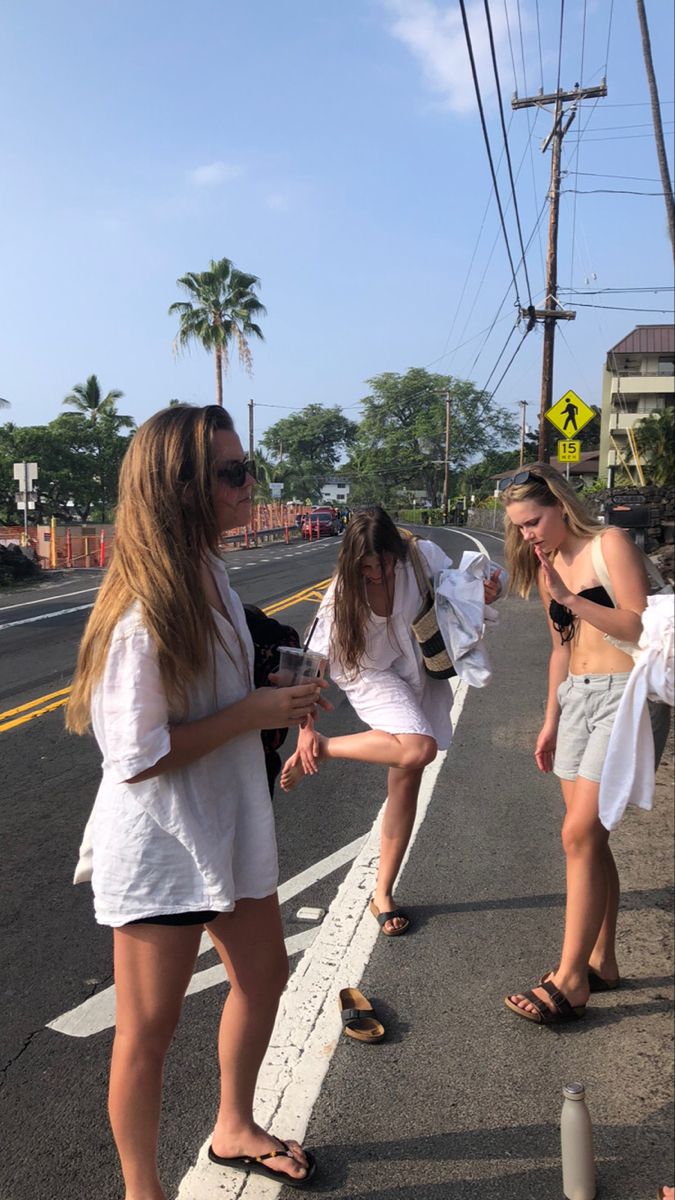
{"points": [[569, 414], [569, 452]]}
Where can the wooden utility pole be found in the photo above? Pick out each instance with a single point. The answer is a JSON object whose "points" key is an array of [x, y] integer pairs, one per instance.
{"points": [[445, 461], [552, 312], [251, 440], [656, 120], [523, 406]]}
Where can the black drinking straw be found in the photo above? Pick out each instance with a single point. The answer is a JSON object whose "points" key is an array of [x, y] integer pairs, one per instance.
{"points": [[309, 635]]}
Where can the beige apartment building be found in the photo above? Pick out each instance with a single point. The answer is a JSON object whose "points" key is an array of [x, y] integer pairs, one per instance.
{"points": [[638, 379]]}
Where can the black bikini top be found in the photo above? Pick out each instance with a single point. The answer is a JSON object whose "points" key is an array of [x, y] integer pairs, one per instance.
{"points": [[563, 618]]}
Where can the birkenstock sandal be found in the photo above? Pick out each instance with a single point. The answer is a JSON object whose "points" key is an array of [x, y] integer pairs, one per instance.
{"points": [[383, 917], [257, 1165], [562, 1009], [358, 1018], [596, 982]]}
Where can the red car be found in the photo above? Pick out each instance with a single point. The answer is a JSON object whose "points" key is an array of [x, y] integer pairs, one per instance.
{"points": [[323, 523]]}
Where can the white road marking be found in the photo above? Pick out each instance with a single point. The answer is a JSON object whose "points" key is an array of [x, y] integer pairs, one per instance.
{"points": [[47, 599], [44, 616], [308, 1027], [98, 1012]]}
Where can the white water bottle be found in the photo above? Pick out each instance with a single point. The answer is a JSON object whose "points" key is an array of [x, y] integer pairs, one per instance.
{"points": [[576, 1144]]}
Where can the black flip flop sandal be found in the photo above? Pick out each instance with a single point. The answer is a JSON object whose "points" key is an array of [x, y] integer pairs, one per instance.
{"points": [[562, 1009], [256, 1165]]}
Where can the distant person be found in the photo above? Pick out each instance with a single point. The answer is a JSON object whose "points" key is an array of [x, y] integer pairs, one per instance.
{"points": [[182, 828], [364, 630], [550, 543]]}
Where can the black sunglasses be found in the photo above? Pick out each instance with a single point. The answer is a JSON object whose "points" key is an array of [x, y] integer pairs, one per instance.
{"points": [[520, 477], [235, 473]]}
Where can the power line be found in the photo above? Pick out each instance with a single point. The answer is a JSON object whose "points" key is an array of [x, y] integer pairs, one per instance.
{"points": [[609, 35], [606, 192], [506, 147], [541, 60], [560, 42], [616, 291], [604, 175], [479, 100], [622, 308]]}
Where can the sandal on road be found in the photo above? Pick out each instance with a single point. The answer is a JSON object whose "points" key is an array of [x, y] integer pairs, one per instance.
{"points": [[383, 918], [358, 1018], [257, 1165], [562, 1009], [596, 982]]}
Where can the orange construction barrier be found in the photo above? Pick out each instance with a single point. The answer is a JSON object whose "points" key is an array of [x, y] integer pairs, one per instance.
{"points": [[101, 549], [69, 548]]}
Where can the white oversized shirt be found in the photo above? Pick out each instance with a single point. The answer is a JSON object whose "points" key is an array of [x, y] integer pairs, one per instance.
{"points": [[194, 838], [391, 690]]}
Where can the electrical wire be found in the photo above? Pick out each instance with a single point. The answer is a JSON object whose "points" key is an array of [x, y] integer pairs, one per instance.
{"points": [[621, 308], [578, 133], [617, 291], [495, 69], [609, 35], [467, 35], [560, 41], [606, 192], [541, 60]]}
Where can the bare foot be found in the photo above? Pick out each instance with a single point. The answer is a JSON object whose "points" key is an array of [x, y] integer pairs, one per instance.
{"points": [[576, 996], [289, 1159], [292, 772]]}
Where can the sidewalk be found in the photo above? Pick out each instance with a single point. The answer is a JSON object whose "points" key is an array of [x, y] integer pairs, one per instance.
{"points": [[462, 1101]]}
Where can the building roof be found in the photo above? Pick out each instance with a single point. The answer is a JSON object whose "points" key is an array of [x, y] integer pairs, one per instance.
{"points": [[647, 339], [588, 465]]}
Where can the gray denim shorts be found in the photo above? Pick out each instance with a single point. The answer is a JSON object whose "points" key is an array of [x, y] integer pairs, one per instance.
{"points": [[588, 705]]}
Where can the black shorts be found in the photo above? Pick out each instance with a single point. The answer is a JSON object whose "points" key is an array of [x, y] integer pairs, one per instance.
{"points": [[184, 918]]}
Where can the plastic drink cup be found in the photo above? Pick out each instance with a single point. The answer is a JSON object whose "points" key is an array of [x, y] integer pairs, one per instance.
{"points": [[298, 666], [502, 578]]}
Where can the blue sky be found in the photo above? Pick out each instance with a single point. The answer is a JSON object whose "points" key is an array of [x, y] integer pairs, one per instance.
{"points": [[333, 148]]}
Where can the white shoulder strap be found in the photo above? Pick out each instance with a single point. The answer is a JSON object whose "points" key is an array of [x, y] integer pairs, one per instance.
{"points": [[600, 567]]}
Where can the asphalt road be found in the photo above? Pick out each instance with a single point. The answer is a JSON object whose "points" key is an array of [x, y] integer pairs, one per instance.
{"points": [[461, 1101]]}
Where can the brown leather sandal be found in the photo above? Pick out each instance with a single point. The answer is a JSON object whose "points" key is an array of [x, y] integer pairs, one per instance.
{"points": [[596, 982], [562, 1009], [358, 1018]]}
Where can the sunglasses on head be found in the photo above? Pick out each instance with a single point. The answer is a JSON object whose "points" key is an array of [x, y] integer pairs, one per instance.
{"points": [[235, 472], [519, 477]]}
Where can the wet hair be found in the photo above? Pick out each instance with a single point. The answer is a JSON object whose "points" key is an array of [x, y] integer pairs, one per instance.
{"points": [[370, 531], [547, 488], [165, 525]]}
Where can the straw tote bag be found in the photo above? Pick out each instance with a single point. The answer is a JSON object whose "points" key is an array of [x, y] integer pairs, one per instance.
{"points": [[437, 661]]}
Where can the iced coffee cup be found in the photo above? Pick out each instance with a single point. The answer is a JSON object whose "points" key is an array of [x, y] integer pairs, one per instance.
{"points": [[298, 666]]}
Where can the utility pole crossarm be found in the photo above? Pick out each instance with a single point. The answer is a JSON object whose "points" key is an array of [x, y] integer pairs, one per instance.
{"points": [[554, 97], [558, 314]]}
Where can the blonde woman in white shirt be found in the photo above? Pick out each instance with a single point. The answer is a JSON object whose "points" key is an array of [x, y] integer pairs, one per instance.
{"points": [[182, 829]]}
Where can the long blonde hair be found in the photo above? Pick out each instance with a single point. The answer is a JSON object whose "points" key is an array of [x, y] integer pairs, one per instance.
{"points": [[165, 525], [370, 531], [546, 487]]}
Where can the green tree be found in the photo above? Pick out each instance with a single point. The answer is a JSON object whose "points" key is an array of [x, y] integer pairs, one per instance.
{"points": [[66, 452], [309, 444], [655, 437], [105, 423], [221, 310], [400, 445]]}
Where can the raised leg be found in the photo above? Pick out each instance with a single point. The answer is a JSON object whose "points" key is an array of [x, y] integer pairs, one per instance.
{"points": [[403, 750]]}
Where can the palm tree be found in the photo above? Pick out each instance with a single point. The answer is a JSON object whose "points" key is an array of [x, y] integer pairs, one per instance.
{"points": [[87, 399], [221, 311], [4, 403], [655, 437]]}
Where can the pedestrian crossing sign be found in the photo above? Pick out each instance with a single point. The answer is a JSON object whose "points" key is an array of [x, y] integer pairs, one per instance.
{"points": [[569, 452], [569, 415]]}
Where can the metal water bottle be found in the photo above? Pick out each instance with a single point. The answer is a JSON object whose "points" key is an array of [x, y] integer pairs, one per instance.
{"points": [[576, 1144]]}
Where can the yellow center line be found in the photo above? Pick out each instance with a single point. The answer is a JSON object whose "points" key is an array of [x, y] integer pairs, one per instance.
{"points": [[312, 593]]}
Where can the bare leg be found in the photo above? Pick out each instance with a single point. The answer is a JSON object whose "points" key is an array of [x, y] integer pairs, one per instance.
{"points": [[404, 750], [250, 943], [153, 965], [588, 909], [397, 823], [603, 954]]}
